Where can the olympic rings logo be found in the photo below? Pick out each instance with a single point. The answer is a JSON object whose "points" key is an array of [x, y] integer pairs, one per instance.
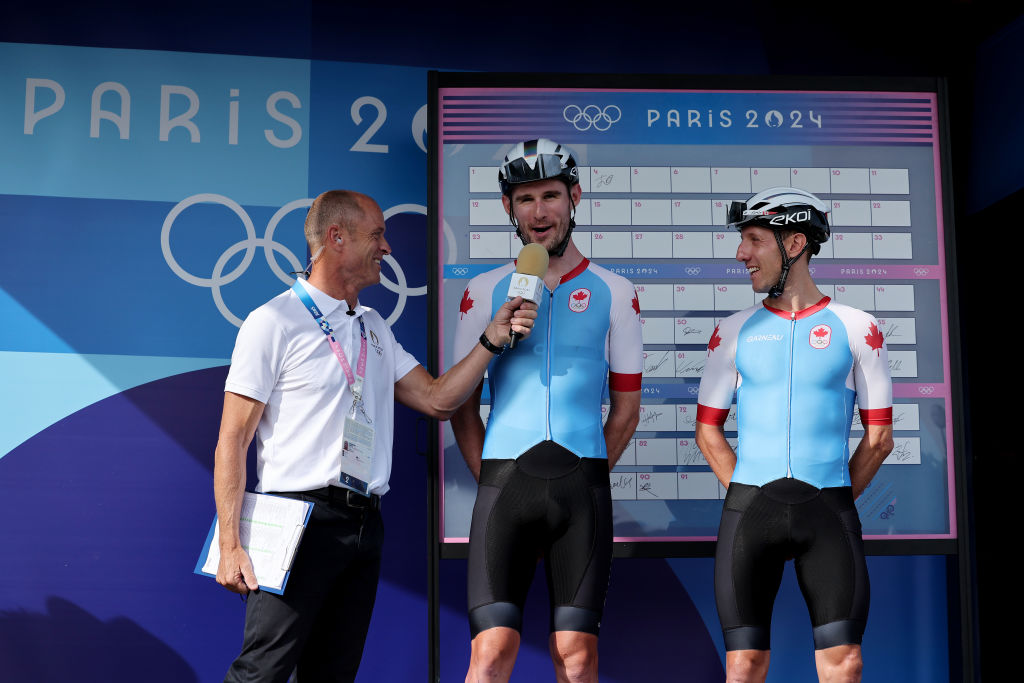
{"points": [[460, 270], [218, 278], [920, 272], [592, 116], [693, 271], [693, 390], [926, 390]]}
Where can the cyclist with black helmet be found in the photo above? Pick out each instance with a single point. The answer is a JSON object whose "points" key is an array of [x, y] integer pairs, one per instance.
{"points": [[796, 363], [543, 463]]}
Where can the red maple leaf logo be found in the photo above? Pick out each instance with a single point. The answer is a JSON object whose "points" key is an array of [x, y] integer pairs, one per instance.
{"points": [[874, 338], [820, 332], [636, 303], [580, 295], [465, 304], [714, 341]]}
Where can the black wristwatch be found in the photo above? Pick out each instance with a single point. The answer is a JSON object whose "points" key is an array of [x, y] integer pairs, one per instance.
{"points": [[486, 343]]}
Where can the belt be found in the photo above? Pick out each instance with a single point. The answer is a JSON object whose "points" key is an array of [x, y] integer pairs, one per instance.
{"points": [[339, 495]]}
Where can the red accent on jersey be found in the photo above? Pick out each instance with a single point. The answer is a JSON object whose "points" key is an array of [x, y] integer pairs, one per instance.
{"points": [[618, 381], [465, 304], [711, 416], [636, 302], [575, 271], [874, 338], [876, 416], [788, 315], [714, 341]]}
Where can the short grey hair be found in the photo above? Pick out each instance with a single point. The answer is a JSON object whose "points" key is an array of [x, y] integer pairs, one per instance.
{"points": [[334, 207]]}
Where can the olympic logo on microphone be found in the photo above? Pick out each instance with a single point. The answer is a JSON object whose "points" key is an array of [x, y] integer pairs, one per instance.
{"points": [[218, 278], [592, 116]]}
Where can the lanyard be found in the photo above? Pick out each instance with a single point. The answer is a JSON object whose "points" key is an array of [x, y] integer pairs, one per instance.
{"points": [[355, 381]]}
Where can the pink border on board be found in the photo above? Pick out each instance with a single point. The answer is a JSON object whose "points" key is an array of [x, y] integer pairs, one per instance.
{"points": [[933, 139]]}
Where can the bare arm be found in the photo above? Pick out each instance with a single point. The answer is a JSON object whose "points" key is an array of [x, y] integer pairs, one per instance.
{"points": [[441, 396], [237, 427], [717, 451], [871, 451], [623, 417], [468, 428]]}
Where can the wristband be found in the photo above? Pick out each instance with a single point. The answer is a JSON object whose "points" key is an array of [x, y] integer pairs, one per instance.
{"points": [[486, 343]]}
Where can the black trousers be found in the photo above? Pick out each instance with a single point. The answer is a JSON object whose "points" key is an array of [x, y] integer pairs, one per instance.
{"points": [[319, 625]]}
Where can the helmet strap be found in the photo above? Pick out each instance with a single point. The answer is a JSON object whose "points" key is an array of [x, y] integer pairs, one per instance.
{"points": [[787, 262]]}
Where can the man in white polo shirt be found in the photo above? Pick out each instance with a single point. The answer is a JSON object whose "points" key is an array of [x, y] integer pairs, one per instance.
{"points": [[314, 376]]}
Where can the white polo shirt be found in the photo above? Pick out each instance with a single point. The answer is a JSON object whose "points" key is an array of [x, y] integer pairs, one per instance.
{"points": [[283, 359]]}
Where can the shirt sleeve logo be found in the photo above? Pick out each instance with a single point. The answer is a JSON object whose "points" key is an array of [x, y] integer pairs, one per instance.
{"points": [[465, 304], [874, 338], [820, 337], [579, 300], [636, 302], [714, 341]]}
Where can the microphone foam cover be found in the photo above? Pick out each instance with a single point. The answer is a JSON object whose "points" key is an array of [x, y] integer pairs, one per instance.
{"points": [[532, 260]]}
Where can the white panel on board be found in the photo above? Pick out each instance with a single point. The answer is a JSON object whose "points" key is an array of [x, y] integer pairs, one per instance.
{"points": [[656, 486], [516, 244], [730, 179], [851, 244], [583, 213], [585, 179], [691, 212], [903, 363], [655, 297], [488, 245], [690, 363], [487, 212], [650, 244], [826, 251], [890, 181], [849, 181], [651, 212], [906, 451], [611, 244], [733, 297], [850, 212], [655, 451], [628, 456], [658, 364], [485, 412], [650, 179], [691, 179], [609, 212], [483, 179], [582, 242], [693, 330], [725, 244], [687, 453], [815, 180], [656, 418], [894, 297], [858, 296], [892, 245], [719, 210], [898, 330], [693, 297], [764, 178], [609, 179], [890, 213], [623, 485], [697, 485], [692, 245], [657, 330]]}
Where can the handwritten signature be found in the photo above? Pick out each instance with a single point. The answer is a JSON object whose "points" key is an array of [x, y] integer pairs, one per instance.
{"points": [[651, 416]]}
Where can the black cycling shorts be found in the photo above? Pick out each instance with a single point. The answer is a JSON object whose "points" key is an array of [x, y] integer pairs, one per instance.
{"points": [[762, 528], [550, 504]]}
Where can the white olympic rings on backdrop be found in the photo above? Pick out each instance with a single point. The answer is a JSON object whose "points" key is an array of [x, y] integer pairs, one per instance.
{"points": [[592, 116], [693, 270], [920, 272], [218, 278], [925, 391]]}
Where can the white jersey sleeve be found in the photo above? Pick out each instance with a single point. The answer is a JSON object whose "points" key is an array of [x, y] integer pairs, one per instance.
{"points": [[720, 378], [870, 374], [625, 344], [476, 310]]}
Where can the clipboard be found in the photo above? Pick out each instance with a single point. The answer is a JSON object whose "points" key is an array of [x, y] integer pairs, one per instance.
{"points": [[270, 528]]}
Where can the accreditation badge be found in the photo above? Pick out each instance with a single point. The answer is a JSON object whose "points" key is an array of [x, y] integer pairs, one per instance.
{"points": [[356, 456]]}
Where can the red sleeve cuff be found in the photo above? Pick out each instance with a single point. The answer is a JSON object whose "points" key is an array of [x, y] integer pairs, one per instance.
{"points": [[711, 416], [618, 381], [876, 416]]}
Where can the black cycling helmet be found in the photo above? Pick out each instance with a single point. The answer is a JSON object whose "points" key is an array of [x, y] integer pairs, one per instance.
{"points": [[783, 208], [534, 160]]}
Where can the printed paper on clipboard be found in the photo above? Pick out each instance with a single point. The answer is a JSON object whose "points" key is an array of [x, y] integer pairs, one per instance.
{"points": [[270, 528]]}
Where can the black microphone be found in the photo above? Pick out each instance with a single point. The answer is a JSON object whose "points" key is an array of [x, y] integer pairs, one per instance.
{"points": [[528, 280]]}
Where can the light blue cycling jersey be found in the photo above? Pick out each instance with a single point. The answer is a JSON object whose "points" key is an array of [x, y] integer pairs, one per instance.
{"points": [[586, 338], [796, 377]]}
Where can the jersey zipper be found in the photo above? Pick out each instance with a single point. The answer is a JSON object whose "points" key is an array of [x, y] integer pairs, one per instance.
{"points": [[789, 399], [547, 387]]}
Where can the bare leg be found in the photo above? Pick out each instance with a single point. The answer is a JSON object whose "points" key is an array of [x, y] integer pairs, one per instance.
{"points": [[493, 655], [574, 655], [746, 666], [839, 664]]}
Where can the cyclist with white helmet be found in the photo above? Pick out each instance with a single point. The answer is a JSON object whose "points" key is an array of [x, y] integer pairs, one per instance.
{"points": [[543, 463], [796, 363]]}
